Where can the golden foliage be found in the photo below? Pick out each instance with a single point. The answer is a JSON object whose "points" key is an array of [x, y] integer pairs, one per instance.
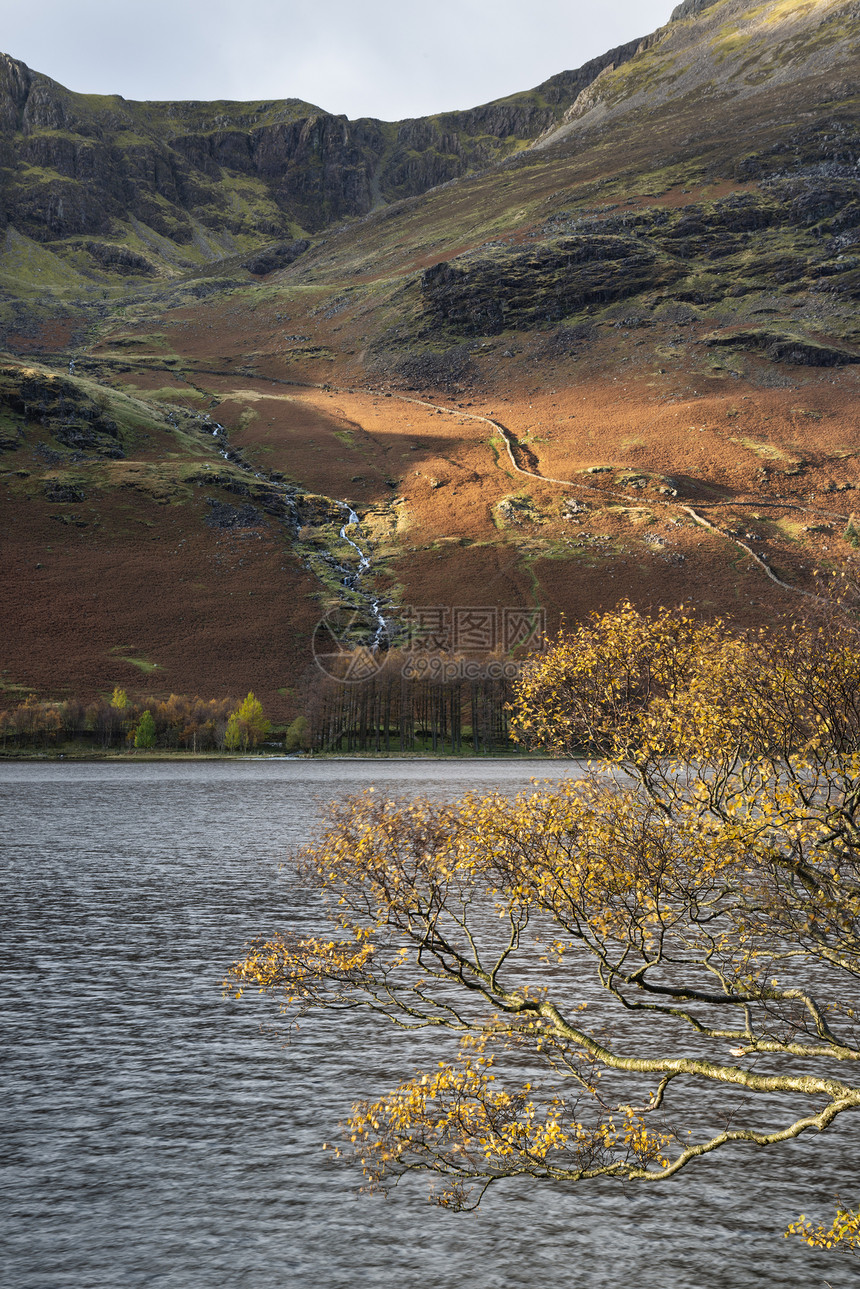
{"points": [[844, 1231], [247, 725], [686, 896]]}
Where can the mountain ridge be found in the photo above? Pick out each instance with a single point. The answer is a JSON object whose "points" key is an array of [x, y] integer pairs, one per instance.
{"points": [[728, 47], [142, 156]]}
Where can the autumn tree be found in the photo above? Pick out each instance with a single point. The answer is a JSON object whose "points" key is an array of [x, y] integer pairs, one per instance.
{"points": [[181, 721], [642, 966], [119, 699], [108, 718], [144, 735], [297, 736], [247, 725], [36, 722], [178, 721], [233, 734]]}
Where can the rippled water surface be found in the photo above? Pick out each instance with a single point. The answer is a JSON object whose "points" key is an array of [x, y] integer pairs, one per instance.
{"points": [[157, 1135]]}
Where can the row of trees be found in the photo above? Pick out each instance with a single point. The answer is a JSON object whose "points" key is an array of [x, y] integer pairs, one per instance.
{"points": [[683, 919], [440, 710], [196, 724]]}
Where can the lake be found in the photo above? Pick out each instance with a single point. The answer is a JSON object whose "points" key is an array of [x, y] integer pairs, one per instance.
{"points": [[156, 1134]]}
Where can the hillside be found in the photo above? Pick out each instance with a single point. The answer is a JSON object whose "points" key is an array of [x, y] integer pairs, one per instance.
{"points": [[632, 293]]}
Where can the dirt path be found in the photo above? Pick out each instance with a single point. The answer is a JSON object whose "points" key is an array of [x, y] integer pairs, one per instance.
{"points": [[513, 448], [512, 445]]}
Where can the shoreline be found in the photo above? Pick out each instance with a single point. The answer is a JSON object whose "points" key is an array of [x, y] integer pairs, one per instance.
{"points": [[116, 756]]}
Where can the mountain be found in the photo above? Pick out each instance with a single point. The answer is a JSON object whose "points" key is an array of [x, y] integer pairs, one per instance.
{"points": [[632, 291], [180, 184]]}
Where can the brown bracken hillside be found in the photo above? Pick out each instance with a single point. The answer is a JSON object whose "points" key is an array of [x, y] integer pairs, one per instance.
{"points": [[612, 352]]}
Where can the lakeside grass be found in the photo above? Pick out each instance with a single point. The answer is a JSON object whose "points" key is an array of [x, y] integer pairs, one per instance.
{"points": [[69, 752]]}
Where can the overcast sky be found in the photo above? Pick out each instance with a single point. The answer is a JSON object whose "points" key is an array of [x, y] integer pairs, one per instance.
{"points": [[384, 58]]}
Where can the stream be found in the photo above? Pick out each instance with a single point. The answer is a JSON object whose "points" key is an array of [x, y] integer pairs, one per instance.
{"points": [[351, 580], [350, 577]]}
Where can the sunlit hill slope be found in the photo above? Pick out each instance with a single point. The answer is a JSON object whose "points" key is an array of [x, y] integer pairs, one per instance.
{"points": [[596, 340]]}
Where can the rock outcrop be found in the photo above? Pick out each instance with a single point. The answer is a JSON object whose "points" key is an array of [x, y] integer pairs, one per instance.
{"points": [[276, 257], [796, 234], [66, 412], [541, 285], [714, 50]]}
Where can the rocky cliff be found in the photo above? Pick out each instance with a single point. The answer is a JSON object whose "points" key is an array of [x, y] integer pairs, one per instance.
{"points": [[796, 236], [216, 179]]}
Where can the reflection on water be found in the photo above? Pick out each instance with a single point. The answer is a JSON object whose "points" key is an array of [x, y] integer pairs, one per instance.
{"points": [[158, 1135]]}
